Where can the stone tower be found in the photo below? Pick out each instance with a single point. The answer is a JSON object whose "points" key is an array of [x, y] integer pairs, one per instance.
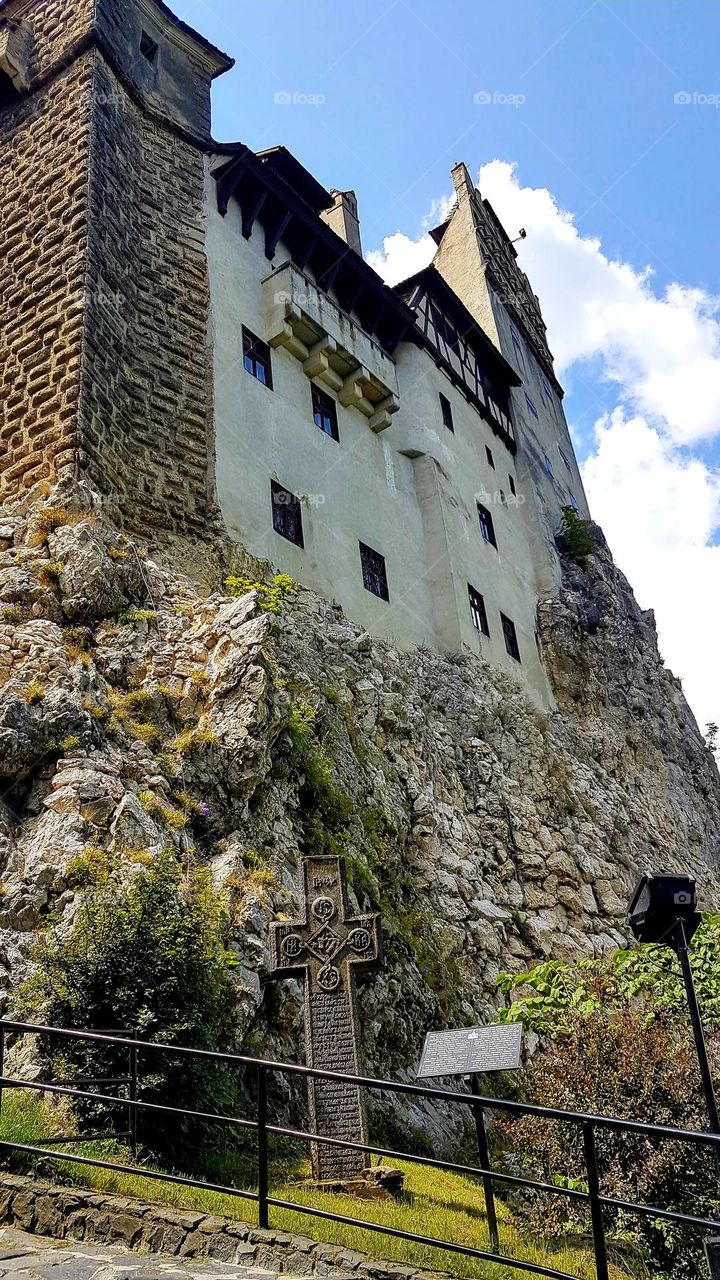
{"points": [[104, 298]]}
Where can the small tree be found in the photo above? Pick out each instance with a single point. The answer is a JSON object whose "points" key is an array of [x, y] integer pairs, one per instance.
{"points": [[577, 541], [614, 1040], [712, 736], [147, 953]]}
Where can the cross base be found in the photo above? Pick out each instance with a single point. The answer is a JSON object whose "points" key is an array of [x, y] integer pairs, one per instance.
{"points": [[378, 1183]]}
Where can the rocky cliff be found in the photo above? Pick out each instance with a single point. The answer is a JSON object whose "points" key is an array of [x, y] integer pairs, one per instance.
{"points": [[136, 711]]}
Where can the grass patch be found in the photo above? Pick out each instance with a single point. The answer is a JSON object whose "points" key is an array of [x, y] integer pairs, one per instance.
{"points": [[435, 1203]]}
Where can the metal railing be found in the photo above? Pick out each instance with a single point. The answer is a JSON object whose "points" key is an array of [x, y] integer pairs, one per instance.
{"points": [[589, 1126]]}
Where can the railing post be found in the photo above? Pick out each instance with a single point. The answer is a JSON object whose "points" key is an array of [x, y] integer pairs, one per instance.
{"points": [[133, 1111], [484, 1158], [596, 1210], [263, 1181], [2, 1058]]}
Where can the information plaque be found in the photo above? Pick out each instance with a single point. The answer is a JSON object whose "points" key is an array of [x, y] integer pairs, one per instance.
{"points": [[472, 1051]]}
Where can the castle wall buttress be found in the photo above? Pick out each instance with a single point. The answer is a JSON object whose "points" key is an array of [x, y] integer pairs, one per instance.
{"points": [[105, 368], [146, 386], [44, 153]]}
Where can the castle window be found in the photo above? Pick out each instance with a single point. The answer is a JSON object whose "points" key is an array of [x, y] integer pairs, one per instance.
{"points": [[516, 339], [489, 456], [256, 358], [478, 612], [325, 412], [487, 528], [547, 389], [374, 572], [565, 458], [530, 405], [510, 634], [446, 409], [286, 514], [549, 467], [148, 48], [573, 502], [513, 490]]}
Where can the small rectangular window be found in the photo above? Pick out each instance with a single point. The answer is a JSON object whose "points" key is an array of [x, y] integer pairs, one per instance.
{"points": [[256, 357], [487, 528], [510, 634], [573, 502], [564, 457], [374, 572], [516, 339], [286, 514], [547, 389], [549, 467], [446, 409], [325, 412], [531, 406], [489, 456], [148, 47], [478, 612], [513, 490]]}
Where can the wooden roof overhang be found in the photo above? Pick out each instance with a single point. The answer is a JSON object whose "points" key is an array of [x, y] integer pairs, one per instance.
{"points": [[291, 211]]}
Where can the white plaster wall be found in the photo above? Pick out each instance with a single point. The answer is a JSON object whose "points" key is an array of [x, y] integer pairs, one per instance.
{"points": [[410, 492], [357, 489]]}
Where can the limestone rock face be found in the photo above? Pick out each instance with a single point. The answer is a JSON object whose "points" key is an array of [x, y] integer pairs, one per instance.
{"points": [[136, 713]]}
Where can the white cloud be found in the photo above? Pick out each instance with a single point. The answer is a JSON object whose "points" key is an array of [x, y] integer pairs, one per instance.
{"points": [[659, 511], [660, 507], [663, 352]]}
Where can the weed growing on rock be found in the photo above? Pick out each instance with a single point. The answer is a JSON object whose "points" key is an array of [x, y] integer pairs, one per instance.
{"points": [[577, 541], [46, 520], [271, 596], [131, 616], [34, 693], [12, 613]]}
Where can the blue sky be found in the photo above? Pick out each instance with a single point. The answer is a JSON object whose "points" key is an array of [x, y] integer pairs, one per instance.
{"points": [[617, 182]]}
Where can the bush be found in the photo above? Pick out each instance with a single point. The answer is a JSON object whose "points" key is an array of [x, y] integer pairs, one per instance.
{"points": [[577, 541], [615, 1041], [147, 953]]}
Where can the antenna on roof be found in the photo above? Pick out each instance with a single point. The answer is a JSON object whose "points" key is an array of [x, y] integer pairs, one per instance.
{"points": [[521, 236]]}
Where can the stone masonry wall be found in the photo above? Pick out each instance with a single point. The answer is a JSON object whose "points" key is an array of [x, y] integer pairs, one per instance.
{"points": [[146, 393], [76, 1214], [44, 149]]}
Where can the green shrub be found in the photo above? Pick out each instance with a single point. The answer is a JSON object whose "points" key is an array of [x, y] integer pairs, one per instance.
{"points": [[271, 596], [577, 540], [615, 1041], [147, 952]]}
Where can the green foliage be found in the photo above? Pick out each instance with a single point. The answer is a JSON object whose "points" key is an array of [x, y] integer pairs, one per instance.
{"points": [[147, 952], [34, 692], [271, 596], [550, 995], [11, 613], [577, 539], [615, 1041], [130, 616]]}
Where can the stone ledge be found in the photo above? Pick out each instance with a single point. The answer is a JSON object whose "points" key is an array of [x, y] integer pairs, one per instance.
{"points": [[78, 1214]]}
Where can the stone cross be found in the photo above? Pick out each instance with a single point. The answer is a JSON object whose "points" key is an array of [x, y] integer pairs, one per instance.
{"points": [[327, 948]]}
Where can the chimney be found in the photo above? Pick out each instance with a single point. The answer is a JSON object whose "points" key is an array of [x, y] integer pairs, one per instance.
{"points": [[343, 218], [462, 182]]}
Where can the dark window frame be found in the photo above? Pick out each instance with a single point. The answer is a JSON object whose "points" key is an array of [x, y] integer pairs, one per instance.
{"points": [[374, 572], [513, 487], [149, 48], [510, 636], [286, 514], [478, 611], [487, 525], [489, 456], [532, 407], [564, 457], [324, 408], [549, 467], [256, 355], [447, 413]]}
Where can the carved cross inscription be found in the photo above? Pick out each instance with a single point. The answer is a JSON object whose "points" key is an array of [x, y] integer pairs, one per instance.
{"points": [[327, 948]]}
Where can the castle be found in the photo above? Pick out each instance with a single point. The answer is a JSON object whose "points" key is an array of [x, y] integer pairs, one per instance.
{"points": [[191, 327]]}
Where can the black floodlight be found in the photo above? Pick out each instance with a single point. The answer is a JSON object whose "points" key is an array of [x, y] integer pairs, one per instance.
{"points": [[657, 905]]}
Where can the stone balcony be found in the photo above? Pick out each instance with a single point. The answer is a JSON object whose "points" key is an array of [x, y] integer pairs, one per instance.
{"points": [[331, 347]]}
